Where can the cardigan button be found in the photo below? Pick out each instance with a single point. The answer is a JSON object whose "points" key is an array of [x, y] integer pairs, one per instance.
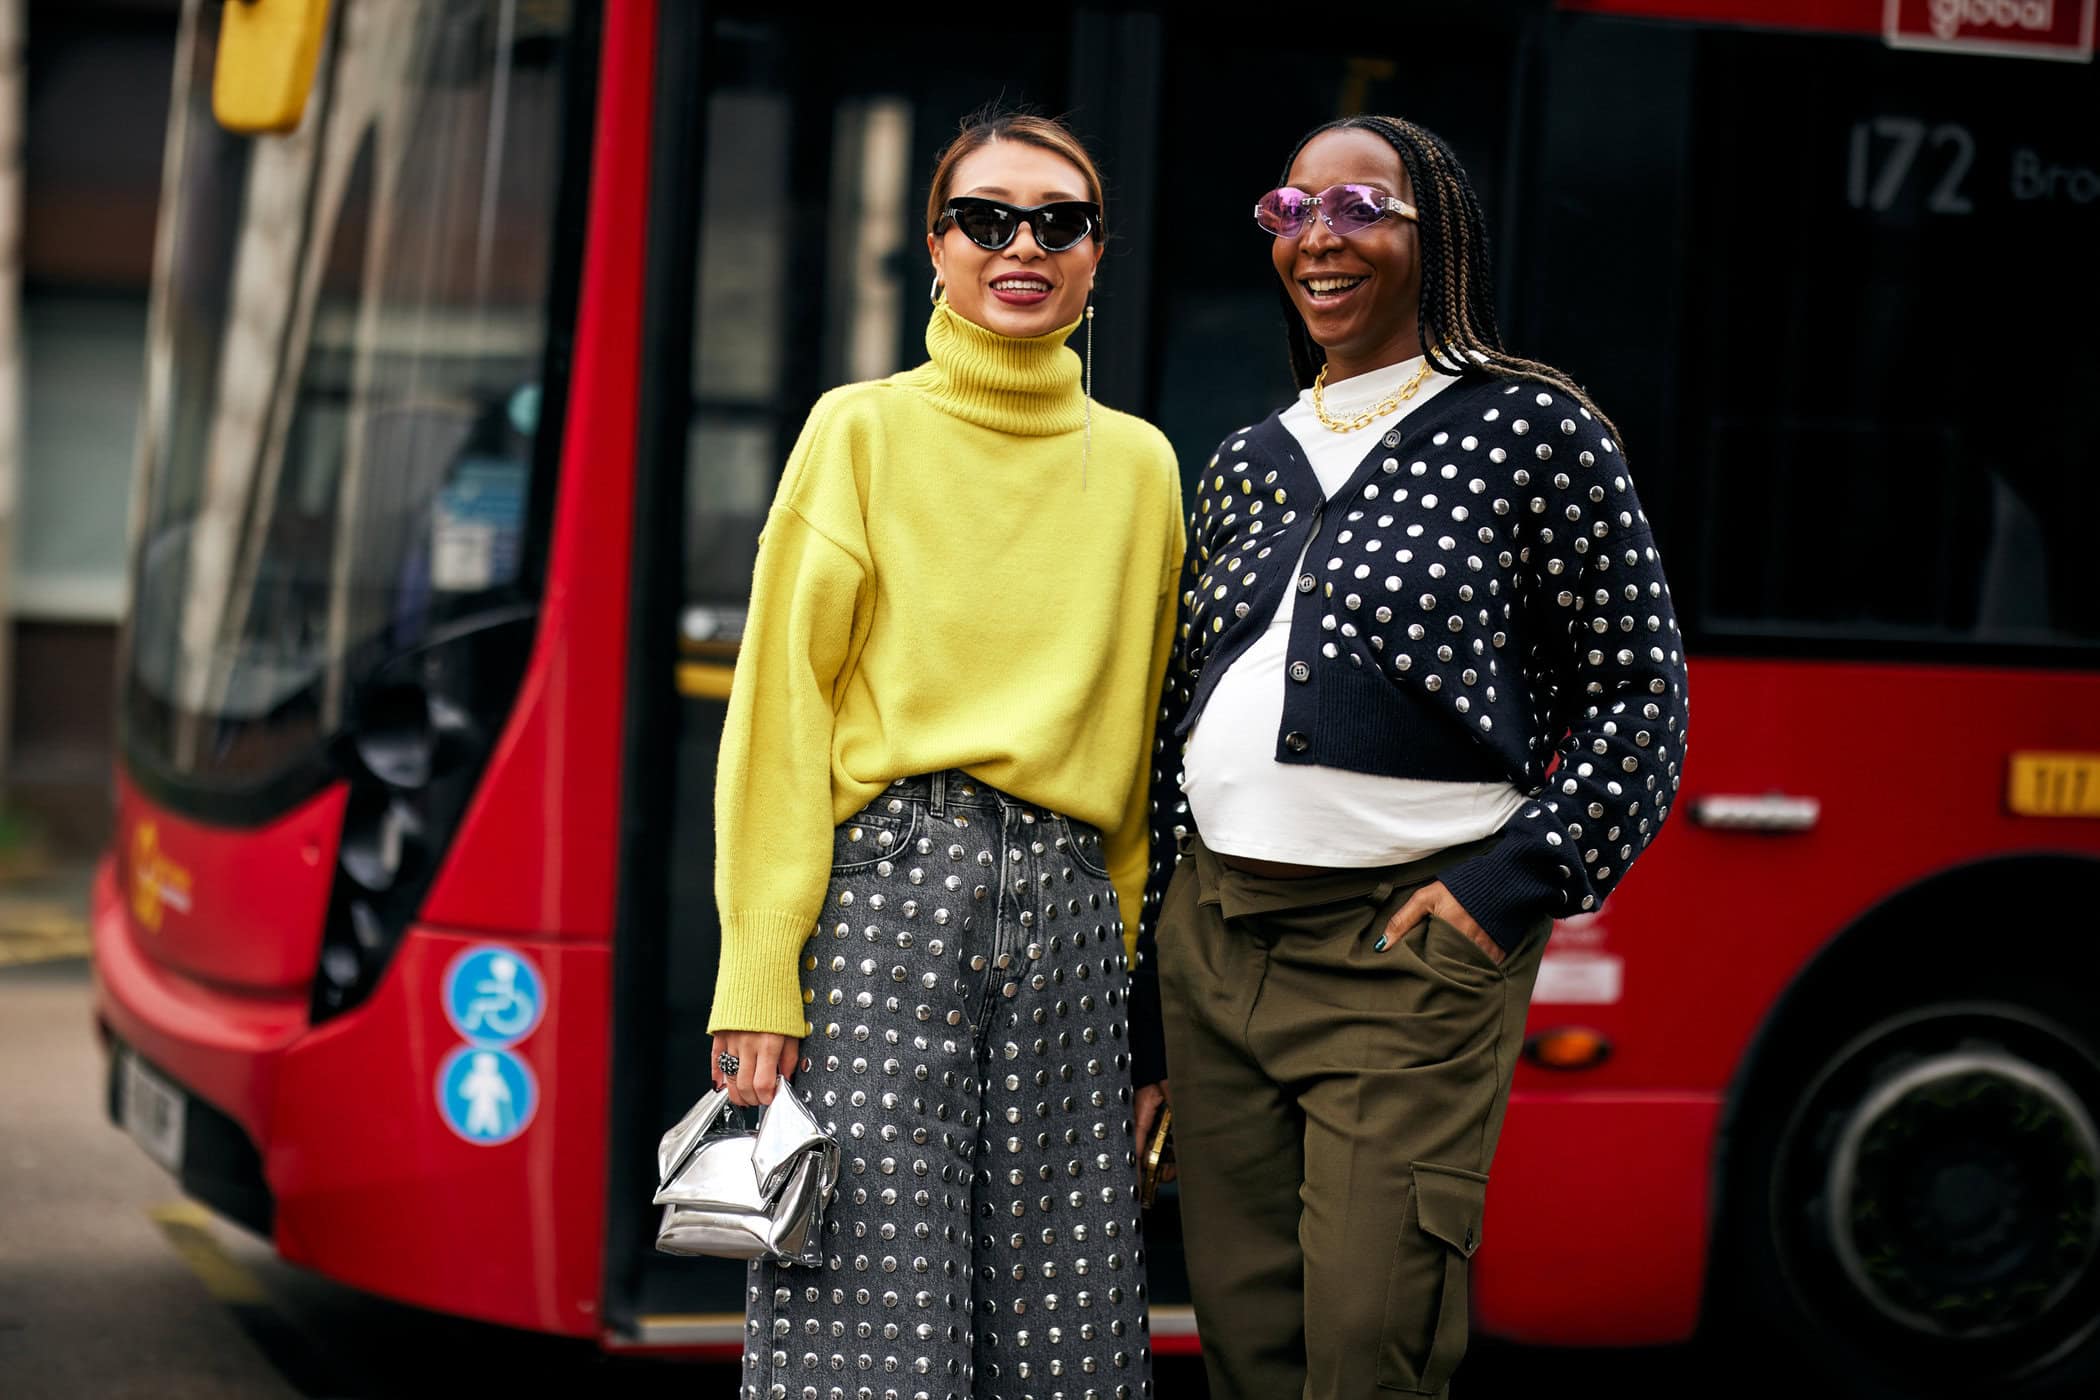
{"points": [[1300, 671], [1392, 439], [1307, 583], [1296, 742]]}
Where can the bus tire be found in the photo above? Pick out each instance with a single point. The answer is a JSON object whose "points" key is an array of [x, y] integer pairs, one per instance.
{"points": [[1911, 1192]]}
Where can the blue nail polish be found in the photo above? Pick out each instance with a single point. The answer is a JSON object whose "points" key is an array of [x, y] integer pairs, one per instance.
{"points": [[1379, 946]]}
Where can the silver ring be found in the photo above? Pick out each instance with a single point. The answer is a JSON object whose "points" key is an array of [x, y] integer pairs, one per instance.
{"points": [[728, 1064]]}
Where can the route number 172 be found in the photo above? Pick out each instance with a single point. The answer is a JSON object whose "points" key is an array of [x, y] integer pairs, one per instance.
{"points": [[1886, 152]]}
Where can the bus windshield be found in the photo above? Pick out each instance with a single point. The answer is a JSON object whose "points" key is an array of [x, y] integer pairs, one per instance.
{"points": [[344, 378]]}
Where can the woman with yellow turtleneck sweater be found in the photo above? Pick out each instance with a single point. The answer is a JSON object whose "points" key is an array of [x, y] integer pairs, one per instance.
{"points": [[931, 814]]}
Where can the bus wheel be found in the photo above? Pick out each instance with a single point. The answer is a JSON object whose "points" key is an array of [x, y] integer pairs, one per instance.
{"points": [[1922, 1214]]}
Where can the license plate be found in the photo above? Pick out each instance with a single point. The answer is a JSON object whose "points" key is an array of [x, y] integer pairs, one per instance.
{"points": [[153, 1111], [2054, 785]]}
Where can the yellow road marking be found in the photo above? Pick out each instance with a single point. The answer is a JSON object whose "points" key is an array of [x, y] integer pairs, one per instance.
{"points": [[188, 1227], [40, 933]]}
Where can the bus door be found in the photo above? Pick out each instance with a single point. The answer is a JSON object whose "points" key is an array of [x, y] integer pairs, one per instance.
{"points": [[786, 256]]}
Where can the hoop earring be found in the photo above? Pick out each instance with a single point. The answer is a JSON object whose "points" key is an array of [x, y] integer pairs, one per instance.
{"points": [[933, 294]]}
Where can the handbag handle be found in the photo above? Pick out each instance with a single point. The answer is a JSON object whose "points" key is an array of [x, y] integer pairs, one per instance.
{"points": [[679, 1144], [785, 1132]]}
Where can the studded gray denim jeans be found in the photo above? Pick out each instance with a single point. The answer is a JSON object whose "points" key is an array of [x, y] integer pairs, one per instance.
{"points": [[968, 1048]]}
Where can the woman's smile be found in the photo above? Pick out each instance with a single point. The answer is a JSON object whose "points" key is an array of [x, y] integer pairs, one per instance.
{"points": [[1021, 288], [1327, 290]]}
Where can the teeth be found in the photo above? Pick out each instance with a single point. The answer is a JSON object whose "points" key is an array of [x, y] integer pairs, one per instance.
{"points": [[1331, 284], [1023, 286]]}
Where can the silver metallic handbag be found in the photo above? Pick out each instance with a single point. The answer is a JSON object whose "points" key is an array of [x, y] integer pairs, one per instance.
{"points": [[744, 1194]]}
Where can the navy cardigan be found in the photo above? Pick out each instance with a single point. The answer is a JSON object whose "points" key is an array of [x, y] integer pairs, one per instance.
{"points": [[1480, 602]]}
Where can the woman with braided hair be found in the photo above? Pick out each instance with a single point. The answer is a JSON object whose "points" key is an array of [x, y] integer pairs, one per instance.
{"points": [[1427, 696]]}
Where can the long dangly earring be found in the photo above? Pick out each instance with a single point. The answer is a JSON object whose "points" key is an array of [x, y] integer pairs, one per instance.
{"points": [[933, 295], [1086, 450]]}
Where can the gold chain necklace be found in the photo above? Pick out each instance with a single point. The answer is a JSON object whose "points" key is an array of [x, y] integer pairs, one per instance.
{"points": [[1390, 404]]}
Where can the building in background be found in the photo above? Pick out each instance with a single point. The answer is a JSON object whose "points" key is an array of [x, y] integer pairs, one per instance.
{"points": [[95, 119]]}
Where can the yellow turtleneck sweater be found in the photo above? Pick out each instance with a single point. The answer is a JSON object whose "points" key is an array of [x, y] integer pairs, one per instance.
{"points": [[940, 584]]}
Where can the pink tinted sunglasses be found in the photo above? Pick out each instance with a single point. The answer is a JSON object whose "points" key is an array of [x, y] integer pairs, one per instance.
{"points": [[1346, 208]]}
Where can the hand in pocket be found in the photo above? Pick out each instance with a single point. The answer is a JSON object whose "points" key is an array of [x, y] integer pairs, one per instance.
{"points": [[1434, 900]]}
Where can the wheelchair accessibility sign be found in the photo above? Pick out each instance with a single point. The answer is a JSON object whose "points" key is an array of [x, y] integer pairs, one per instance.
{"points": [[494, 995], [486, 1095]]}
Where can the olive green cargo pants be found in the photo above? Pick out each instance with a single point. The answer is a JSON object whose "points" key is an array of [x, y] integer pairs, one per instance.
{"points": [[1335, 1111]]}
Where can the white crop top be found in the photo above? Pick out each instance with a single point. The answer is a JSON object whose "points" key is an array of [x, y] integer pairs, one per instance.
{"points": [[1244, 801]]}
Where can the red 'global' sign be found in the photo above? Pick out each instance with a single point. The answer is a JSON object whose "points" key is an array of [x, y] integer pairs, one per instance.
{"points": [[2019, 28]]}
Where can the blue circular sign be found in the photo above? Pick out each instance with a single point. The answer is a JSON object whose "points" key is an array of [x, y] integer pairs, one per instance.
{"points": [[494, 995], [486, 1095]]}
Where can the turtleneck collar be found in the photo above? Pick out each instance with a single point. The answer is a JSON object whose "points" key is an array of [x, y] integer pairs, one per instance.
{"points": [[1030, 387]]}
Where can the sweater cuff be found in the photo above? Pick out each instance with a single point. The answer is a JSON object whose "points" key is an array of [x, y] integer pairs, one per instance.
{"points": [[1148, 1038], [1502, 890], [756, 986]]}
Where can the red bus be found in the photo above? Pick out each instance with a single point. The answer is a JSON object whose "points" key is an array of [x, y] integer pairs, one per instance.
{"points": [[467, 393]]}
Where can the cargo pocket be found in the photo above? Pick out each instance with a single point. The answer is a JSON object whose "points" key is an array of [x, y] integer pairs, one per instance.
{"points": [[1447, 940], [1425, 1294]]}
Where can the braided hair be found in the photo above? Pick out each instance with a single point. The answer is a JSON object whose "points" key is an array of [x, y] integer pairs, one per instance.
{"points": [[1457, 313]]}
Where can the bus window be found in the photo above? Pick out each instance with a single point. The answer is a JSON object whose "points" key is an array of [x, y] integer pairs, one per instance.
{"points": [[1591, 252], [343, 397], [1886, 403], [734, 445], [809, 270]]}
